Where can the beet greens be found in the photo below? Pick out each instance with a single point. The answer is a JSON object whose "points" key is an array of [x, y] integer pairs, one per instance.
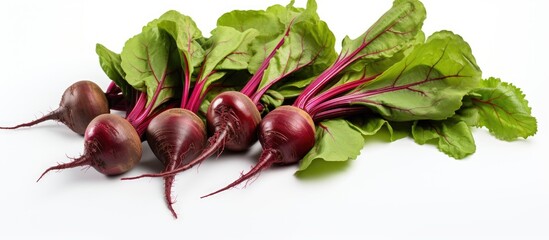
{"points": [[427, 83]]}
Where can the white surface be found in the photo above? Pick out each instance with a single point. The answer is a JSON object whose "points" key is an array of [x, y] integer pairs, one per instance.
{"points": [[392, 191]]}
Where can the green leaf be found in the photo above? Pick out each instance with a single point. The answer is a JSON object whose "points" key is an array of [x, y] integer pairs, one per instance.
{"points": [[292, 87], [369, 126], [308, 48], [451, 137], [303, 50], [150, 61], [397, 30], [468, 112], [330, 136], [110, 63], [271, 100], [187, 37], [287, 14], [227, 49], [269, 25], [269, 28], [428, 84], [503, 109], [369, 67]]}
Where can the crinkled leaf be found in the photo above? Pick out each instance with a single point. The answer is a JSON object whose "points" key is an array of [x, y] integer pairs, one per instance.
{"points": [[292, 87], [287, 14], [428, 84], [227, 49], [335, 140], [397, 30], [150, 61], [451, 137], [268, 24], [110, 63], [263, 47], [187, 37], [309, 47], [361, 69], [369, 126], [384, 43], [503, 109], [304, 50], [468, 113]]}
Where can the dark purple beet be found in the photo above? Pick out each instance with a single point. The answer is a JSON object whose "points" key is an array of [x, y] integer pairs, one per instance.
{"points": [[81, 102], [175, 136], [233, 118], [111, 146], [286, 134]]}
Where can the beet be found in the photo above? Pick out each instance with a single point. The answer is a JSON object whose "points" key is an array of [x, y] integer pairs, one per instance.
{"points": [[81, 102], [286, 134], [175, 136], [233, 119], [111, 146]]}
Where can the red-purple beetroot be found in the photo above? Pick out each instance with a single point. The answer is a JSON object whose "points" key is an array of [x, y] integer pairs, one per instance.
{"points": [[80, 104], [175, 136], [111, 146], [286, 134], [233, 119]]}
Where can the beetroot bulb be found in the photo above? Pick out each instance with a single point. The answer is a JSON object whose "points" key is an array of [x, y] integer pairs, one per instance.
{"points": [[81, 102], [286, 134], [175, 136], [111, 146]]}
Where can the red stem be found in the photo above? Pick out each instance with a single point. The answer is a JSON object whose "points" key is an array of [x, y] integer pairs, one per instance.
{"points": [[198, 94], [338, 112], [335, 91], [342, 62], [113, 88], [186, 84], [322, 80], [138, 107], [254, 82]]}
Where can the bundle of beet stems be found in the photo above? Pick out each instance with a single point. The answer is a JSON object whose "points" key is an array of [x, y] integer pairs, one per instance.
{"points": [[273, 75]]}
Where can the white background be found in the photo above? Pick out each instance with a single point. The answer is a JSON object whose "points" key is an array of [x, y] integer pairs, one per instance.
{"points": [[394, 190]]}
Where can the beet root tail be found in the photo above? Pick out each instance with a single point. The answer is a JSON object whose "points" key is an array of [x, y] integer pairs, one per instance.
{"points": [[267, 158], [54, 115], [81, 161], [168, 183], [215, 143]]}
